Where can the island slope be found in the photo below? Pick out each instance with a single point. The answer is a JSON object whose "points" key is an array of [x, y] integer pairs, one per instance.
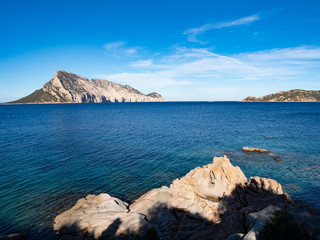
{"points": [[67, 87]]}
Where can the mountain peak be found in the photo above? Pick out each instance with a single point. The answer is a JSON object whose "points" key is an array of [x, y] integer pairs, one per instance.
{"points": [[61, 74], [60, 71]]}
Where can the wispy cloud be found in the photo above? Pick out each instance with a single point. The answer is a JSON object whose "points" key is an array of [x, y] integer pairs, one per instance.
{"points": [[114, 46], [119, 48], [142, 63], [193, 32], [302, 52], [240, 21], [192, 70]]}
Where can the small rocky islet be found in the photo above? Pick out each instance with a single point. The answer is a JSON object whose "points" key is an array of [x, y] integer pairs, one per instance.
{"points": [[253, 149], [215, 201], [261, 150]]}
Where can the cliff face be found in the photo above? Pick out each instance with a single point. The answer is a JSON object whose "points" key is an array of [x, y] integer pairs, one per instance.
{"points": [[211, 202], [296, 95], [67, 87]]}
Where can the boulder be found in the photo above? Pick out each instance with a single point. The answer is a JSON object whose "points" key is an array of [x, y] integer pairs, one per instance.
{"points": [[196, 201], [262, 192], [258, 220], [99, 216], [199, 192]]}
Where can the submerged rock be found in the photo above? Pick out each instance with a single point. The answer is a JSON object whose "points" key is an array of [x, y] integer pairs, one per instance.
{"points": [[14, 236], [210, 202]]}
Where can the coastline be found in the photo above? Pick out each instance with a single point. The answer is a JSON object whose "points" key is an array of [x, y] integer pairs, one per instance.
{"points": [[48, 103]]}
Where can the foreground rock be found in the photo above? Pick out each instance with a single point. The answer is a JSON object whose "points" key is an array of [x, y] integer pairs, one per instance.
{"points": [[251, 149], [67, 87], [212, 202], [100, 216]]}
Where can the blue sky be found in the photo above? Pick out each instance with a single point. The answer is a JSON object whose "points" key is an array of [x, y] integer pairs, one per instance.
{"points": [[185, 50]]}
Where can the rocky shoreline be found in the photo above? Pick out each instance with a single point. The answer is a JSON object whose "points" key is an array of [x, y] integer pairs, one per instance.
{"points": [[215, 201]]}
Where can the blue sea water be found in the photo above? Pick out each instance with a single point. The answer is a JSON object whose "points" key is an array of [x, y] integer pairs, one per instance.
{"points": [[52, 155]]}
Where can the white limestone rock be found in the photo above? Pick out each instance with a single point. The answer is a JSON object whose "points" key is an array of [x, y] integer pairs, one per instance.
{"points": [[100, 216]]}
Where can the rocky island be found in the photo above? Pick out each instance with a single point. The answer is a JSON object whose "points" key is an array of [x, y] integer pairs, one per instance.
{"points": [[215, 201], [296, 95], [67, 87]]}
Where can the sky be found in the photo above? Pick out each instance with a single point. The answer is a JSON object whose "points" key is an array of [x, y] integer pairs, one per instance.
{"points": [[185, 50]]}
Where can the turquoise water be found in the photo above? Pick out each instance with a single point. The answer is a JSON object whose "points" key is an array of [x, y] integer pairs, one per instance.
{"points": [[51, 155]]}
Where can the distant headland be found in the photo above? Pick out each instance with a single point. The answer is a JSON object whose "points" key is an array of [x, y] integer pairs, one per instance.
{"points": [[295, 95], [68, 87]]}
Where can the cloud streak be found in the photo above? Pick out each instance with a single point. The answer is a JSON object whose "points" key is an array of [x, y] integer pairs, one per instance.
{"points": [[193, 32], [119, 48], [142, 63]]}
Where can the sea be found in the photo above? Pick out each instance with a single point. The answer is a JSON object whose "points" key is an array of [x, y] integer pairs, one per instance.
{"points": [[53, 154]]}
